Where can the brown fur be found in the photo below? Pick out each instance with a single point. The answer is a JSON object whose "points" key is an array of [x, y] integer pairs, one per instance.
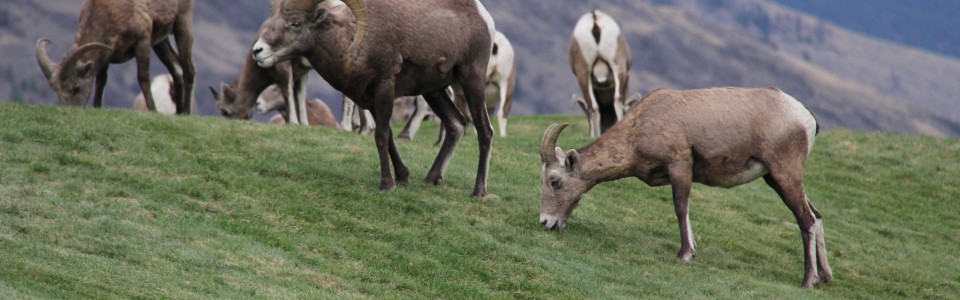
{"points": [[318, 112], [710, 136], [115, 31], [411, 48]]}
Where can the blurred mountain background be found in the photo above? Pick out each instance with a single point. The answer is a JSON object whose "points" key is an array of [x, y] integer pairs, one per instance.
{"points": [[867, 65]]}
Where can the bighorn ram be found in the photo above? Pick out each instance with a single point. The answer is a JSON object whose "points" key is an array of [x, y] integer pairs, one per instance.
{"points": [[718, 137], [600, 58], [161, 87], [374, 60], [318, 112], [112, 32], [238, 99]]}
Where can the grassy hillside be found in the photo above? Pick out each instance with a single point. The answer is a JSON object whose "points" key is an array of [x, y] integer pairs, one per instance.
{"points": [[113, 203]]}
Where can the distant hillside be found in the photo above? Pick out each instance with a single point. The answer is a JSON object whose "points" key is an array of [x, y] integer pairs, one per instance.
{"points": [[849, 80], [929, 24]]}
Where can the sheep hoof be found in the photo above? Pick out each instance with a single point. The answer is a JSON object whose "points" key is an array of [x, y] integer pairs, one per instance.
{"points": [[387, 184]]}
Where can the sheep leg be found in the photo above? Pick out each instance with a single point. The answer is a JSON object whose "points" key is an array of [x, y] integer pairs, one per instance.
{"points": [[300, 87], [347, 114], [502, 109], [790, 188], [383, 135], [453, 123], [681, 180], [101, 83], [143, 72], [183, 33], [413, 124], [473, 82], [823, 266], [168, 57]]}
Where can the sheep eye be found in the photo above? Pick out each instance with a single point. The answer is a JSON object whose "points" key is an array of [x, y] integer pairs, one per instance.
{"points": [[555, 184], [295, 24]]}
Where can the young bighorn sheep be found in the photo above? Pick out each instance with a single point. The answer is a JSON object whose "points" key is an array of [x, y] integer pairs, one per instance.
{"points": [[113, 32], [720, 137], [236, 101], [374, 60], [501, 80], [161, 88], [600, 58]]}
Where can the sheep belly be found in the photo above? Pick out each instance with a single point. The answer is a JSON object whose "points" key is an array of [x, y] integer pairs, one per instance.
{"points": [[727, 175]]}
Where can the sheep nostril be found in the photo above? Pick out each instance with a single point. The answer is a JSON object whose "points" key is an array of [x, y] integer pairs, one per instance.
{"points": [[543, 222], [257, 50]]}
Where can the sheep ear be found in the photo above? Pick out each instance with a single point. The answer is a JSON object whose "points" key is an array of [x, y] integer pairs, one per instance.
{"points": [[216, 95], [228, 93], [572, 158]]}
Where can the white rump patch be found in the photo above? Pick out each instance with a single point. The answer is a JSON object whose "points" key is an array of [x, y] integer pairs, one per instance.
{"points": [[160, 88], [801, 113], [491, 26], [609, 32]]}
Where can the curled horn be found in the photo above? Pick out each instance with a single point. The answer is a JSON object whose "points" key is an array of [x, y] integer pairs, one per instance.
{"points": [[70, 63], [549, 141], [46, 64], [359, 8]]}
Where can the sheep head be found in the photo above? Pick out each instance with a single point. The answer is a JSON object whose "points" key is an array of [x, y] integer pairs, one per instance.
{"points": [[72, 79], [561, 188], [282, 35], [230, 104]]}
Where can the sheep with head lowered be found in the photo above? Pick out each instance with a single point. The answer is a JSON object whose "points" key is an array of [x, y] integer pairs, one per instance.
{"points": [[718, 137]]}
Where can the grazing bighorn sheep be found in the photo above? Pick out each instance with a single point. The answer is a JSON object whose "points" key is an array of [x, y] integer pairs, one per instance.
{"points": [[236, 101], [600, 58], [374, 60], [318, 112], [718, 137], [161, 87], [501, 80], [113, 32]]}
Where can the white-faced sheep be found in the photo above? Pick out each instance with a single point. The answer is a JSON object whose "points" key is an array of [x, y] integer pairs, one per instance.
{"points": [[718, 137], [113, 32], [387, 53], [600, 59], [318, 113]]}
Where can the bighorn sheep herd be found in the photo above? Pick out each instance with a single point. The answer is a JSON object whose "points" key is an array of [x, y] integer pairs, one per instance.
{"points": [[718, 137], [378, 51], [384, 54]]}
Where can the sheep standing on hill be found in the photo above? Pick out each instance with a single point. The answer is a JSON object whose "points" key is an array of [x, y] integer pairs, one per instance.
{"points": [[112, 32], [718, 137], [600, 58], [387, 53]]}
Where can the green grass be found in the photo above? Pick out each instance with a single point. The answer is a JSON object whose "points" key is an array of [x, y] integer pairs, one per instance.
{"points": [[118, 204]]}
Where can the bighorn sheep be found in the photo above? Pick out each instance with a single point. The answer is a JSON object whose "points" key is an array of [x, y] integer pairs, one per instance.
{"points": [[318, 112], [600, 58], [113, 32], [718, 137], [236, 101], [161, 88], [374, 60], [501, 80]]}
